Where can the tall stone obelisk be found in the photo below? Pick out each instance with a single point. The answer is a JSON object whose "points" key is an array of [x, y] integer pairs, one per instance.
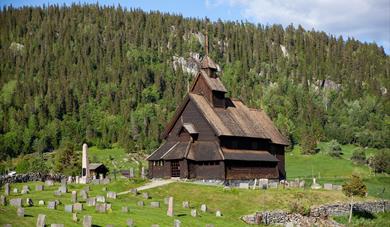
{"points": [[85, 165]]}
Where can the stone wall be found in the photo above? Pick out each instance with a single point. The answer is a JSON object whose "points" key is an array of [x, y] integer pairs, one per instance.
{"points": [[318, 214], [19, 178]]}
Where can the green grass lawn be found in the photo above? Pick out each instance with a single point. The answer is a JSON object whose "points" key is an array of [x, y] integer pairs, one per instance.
{"points": [[233, 204], [377, 220]]}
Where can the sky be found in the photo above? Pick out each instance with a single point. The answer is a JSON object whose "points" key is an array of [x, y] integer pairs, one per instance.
{"points": [[365, 20]]}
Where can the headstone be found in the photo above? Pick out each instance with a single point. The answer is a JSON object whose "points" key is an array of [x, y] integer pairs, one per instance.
{"points": [[101, 207], [95, 181], [273, 185], [7, 225], [255, 184], [125, 209], [77, 180], [100, 198], [170, 207], [41, 202], [15, 191], [29, 202], [328, 186], [63, 188], [3, 200], [78, 207], [41, 220], [209, 225], [109, 205], [129, 223], [57, 225], [155, 204], [68, 208], [83, 194], [302, 184], [20, 212], [186, 204], [244, 185], [17, 202], [194, 213], [87, 188], [203, 208], [58, 202], [145, 195], [177, 223], [337, 187], [6, 189], [57, 193], [143, 173], [134, 191], [70, 180], [49, 183], [166, 200], [39, 187], [74, 217], [263, 183], [131, 173], [218, 213], [91, 201], [63, 181], [315, 185], [141, 203], [111, 195], [74, 196], [52, 205], [87, 221], [25, 189]]}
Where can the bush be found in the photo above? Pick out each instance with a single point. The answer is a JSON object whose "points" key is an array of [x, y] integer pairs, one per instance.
{"points": [[297, 207], [380, 162], [334, 149], [359, 156]]}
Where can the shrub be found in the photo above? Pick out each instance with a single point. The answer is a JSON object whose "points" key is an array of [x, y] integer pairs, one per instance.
{"points": [[297, 207], [359, 156], [380, 162], [334, 149]]}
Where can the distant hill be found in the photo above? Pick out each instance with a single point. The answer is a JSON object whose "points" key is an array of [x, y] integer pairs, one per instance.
{"points": [[104, 75]]}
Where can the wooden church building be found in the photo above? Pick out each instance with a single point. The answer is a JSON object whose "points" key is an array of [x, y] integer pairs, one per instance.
{"points": [[214, 137]]}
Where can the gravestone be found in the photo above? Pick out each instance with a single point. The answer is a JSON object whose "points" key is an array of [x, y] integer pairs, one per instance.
{"points": [[177, 223], [203, 208], [109, 205], [41, 220], [244, 185], [166, 200], [7, 225], [74, 197], [91, 201], [328, 186], [87, 188], [6, 189], [57, 225], [131, 173], [68, 208], [63, 181], [52, 205], [74, 217], [15, 191], [77, 180], [155, 204], [302, 183], [125, 209], [95, 181], [101, 207], [87, 221], [58, 202], [218, 213], [255, 184], [186, 204], [134, 191], [143, 175], [70, 180], [337, 187], [209, 225], [20, 212], [141, 203], [273, 185], [39, 187], [29, 202], [100, 199], [315, 185], [63, 188], [41, 202], [49, 183], [25, 189], [17, 202], [145, 195], [84, 194], [111, 195], [78, 207], [170, 207], [194, 213], [129, 223], [3, 200], [263, 183], [57, 193]]}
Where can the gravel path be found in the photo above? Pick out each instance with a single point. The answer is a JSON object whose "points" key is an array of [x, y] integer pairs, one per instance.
{"points": [[153, 184]]}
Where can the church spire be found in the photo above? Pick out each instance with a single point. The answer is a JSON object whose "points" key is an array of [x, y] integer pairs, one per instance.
{"points": [[207, 63]]}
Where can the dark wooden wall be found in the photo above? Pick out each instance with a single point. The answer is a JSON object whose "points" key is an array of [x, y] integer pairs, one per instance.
{"points": [[198, 171], [251, 170], [202, 88], [278, 150]]}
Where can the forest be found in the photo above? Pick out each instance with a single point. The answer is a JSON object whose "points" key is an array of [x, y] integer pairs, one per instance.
{"points": [[108, 75]]}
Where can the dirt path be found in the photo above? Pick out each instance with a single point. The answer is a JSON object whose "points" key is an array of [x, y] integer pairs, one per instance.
{"points": [[152, 184]]}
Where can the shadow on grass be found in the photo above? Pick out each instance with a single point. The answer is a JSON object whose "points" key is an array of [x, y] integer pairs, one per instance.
{"points": [[363, 214]]}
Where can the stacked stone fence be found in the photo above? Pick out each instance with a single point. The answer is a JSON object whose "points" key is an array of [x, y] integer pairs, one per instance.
{"points": [[318, 214], [20, 178]]}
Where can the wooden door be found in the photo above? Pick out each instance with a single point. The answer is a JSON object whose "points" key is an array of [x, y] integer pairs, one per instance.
{"points": [[175, 169]]}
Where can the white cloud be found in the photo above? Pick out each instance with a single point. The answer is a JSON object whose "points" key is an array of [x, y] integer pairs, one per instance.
{"points": [[367, 20]]}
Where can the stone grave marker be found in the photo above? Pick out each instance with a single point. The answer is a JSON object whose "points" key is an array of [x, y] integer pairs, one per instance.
{"points": [[131, 173], [39, 187], [25, 189], [52, 205], [20, 212], [203, 208], [6, 189], [209, 225], [95, 181], [328, 186], [87, 221], [77, 180], [218, 213], [78, 207], [129, 223], [15, 191], [111, 195], [57, 225], [63, 181], [254, 184], [41, 220], [125, 209], [273, 185], [134, 191], [84, 194], [186, 204], [194, 213], [170, 207], [74, 217], [315, 185], [68, 208], [63, 188], [166, 200], [17, 202], [141, 203], [263, 183], [155, 204], [49, 183], [100, 199], [7, 225], [41, 202], [143, 174], [91, 201], [70, 180], [101, 207], [57, 202], [177, 223], [57, 193], [244, 185], [109, 205], [302, 183], [145, 195], [29, 202], [74, 197], [3, 200]]}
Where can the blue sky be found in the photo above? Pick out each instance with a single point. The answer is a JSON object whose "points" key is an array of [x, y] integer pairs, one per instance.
{"points": [[366, 20]]}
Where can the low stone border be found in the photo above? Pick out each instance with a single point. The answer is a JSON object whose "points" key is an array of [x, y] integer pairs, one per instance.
{"points": [[20, 178]]}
